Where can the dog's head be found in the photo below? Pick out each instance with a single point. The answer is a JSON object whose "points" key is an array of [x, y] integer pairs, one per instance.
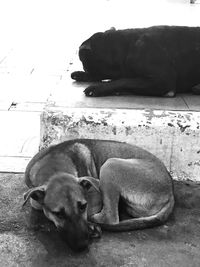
{"points": [[93, 52], [64, 201]]}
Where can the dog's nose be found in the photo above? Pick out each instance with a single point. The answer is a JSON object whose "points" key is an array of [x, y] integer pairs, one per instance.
{"points": [[76, 241], [83, 246], [78, 245]]}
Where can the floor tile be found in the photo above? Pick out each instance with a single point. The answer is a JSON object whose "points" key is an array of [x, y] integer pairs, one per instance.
{"points": [[70, 94], [192, 101]]}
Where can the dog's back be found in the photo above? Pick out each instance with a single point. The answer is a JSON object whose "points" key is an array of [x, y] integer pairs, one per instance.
{"points": [[117, 54], [80, 157]]}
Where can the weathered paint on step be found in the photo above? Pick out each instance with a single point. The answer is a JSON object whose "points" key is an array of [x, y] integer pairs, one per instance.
{"points": [[173, 136]]}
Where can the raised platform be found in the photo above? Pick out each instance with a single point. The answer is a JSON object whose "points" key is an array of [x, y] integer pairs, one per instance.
{"points": [[168, 127], [173, 136]]}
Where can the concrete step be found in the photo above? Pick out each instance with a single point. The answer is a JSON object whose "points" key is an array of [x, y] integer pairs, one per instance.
{"points": [[173, 136], [169, 127]]}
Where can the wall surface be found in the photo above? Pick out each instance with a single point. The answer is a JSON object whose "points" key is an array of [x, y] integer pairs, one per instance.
{"points": [[172, 136]]}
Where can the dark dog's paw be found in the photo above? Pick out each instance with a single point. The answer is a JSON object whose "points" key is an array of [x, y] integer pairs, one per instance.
{"points": [[92, 91], [94, 230], [171, 93], [196, 89], [79, 76]]}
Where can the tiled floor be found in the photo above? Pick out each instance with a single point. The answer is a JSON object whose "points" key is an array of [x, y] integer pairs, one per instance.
{"points": [[70, 94], [38, 50]]}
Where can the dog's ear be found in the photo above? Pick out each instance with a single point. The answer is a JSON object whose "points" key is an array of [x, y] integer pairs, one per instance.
{"points": [[86, 45], [112, 29], [88, 181], [36, 193]]}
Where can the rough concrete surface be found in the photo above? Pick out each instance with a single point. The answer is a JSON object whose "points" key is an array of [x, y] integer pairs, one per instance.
{"points": [[173, 136], [28, 239]]}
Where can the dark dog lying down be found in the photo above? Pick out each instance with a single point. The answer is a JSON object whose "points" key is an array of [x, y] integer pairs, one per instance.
{"points": [[155, 61]]}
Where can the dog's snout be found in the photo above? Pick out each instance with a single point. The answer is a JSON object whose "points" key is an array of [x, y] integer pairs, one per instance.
{"points": [[76, 234], [77, 242], [81, 246], [84, 53]]}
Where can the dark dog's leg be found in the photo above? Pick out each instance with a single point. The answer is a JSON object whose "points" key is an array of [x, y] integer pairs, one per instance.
{"points": [[137, 86], [82, 76]]}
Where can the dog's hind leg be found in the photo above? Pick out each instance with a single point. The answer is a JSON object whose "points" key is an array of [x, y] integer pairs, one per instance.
{"points": [[109, 213], [110, 197]]}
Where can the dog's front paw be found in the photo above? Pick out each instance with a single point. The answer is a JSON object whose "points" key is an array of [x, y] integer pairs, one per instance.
{"points": [[79, 76], [94, 230], [99, 218], [196, 89], [92, 91], [171, 93]]}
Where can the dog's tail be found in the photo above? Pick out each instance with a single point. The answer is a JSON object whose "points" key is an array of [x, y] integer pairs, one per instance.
{"points": [[142, 222]]}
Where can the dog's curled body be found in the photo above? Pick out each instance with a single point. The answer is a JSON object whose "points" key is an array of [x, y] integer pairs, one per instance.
{"points": [[144, 188], [73, 181], [155, 61]]}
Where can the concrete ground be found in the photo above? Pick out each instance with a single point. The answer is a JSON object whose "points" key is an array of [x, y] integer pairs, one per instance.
{"points": [[28, 239]]}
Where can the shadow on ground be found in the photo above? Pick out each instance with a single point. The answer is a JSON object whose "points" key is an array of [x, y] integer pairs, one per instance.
{"points": [[28, 239]]}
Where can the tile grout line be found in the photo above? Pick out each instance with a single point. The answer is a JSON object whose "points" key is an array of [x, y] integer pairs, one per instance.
{"points": [[185, 103]]}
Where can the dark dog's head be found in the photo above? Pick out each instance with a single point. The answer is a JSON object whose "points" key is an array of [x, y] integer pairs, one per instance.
{"points": [[64, 201], [94, 52], [88, 54]]}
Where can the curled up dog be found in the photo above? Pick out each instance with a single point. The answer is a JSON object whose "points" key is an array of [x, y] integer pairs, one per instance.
{"points": [[80, 185]]}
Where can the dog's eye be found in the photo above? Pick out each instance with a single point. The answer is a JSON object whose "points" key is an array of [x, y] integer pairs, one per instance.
{"points": [[82, 206], [60, 214]]}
